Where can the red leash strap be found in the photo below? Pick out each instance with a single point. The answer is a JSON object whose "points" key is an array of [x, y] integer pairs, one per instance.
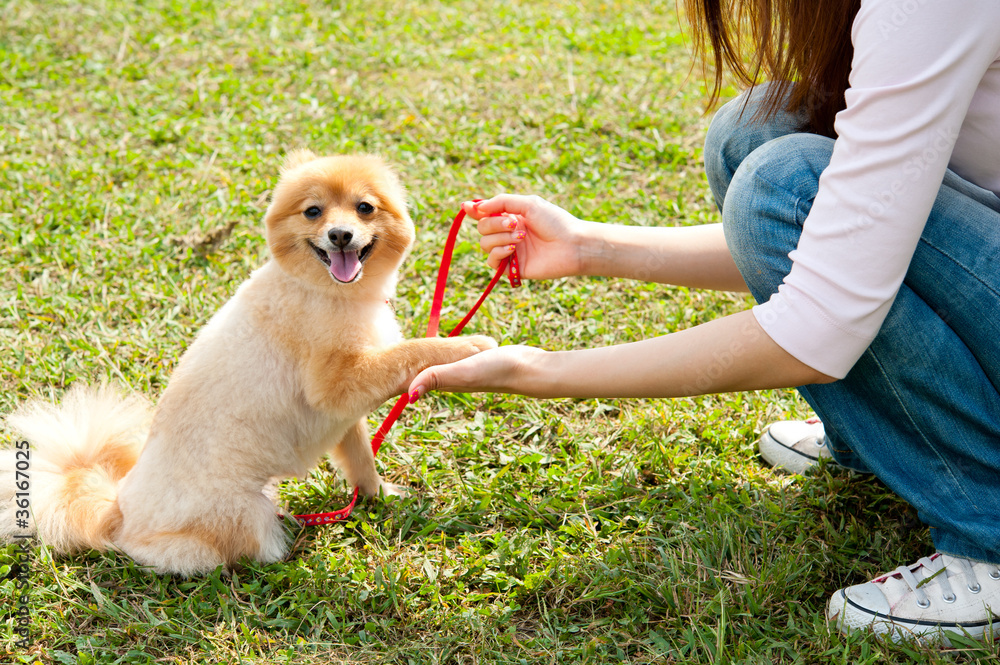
{"points": [[317, 519], [513, 274], [442, 280]]}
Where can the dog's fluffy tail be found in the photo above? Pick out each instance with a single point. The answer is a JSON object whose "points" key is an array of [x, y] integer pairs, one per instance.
{"points": [[78, 452]]}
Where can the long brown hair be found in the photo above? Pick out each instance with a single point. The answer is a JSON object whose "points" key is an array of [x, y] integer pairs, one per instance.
{"points": [[802, 45]]}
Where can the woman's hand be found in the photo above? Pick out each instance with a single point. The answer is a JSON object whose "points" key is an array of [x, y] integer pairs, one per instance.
{"points": [[552, 243], [545, 236], [496, 370]]}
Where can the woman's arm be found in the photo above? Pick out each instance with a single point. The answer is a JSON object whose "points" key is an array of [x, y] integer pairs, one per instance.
{"points": [[552, 243], [728, 354], [693, 256]]}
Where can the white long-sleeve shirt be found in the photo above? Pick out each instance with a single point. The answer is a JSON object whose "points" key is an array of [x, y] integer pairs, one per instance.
{"points": [[924, 96]]}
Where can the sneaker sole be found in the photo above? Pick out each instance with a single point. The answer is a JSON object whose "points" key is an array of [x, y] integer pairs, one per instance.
{"points": [[782, 457]]}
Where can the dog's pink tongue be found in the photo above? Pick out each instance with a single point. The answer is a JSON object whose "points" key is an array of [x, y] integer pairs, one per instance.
{"points": [[344, 266]]}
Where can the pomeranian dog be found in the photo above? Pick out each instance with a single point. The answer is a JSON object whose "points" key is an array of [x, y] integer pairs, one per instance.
{"points": [[286, 371]]}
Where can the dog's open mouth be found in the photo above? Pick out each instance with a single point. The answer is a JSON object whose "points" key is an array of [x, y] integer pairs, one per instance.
{"points": [[344, 266]]}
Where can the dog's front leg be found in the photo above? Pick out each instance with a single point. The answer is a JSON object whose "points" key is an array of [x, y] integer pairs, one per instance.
{"points": [[354, 457], [358, 383]]}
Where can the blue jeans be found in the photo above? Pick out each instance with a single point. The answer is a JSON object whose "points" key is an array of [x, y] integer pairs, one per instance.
{"points": [[921, 408]]}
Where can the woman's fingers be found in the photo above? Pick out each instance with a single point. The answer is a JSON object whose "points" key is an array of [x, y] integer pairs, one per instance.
{"points": [[497, 247], [499, 236], [461, 374], [501, 243], [498, 223], [490, 371], [509, 203], [498, 254], [493, 236]]}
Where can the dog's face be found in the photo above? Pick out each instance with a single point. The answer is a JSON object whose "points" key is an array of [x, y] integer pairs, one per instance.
{"points": [[335, 220]]}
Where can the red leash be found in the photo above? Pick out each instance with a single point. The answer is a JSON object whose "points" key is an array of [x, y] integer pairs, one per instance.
{"points": [[514, 276]]}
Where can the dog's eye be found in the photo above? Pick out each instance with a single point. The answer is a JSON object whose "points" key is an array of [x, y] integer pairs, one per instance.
{"points": [[312, 212], [365, 208]]}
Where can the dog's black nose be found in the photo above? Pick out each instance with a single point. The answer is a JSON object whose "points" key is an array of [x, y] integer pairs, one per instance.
{"points": [[340, 237]]}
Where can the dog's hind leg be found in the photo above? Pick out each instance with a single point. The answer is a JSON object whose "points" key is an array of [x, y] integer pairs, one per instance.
{"points": [[240, 526], [173, 553]]}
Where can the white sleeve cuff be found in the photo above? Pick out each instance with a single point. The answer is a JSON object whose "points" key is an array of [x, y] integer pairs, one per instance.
{"points": [[809, 334]]}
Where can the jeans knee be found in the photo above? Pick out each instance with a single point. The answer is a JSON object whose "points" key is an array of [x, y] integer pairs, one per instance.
{"points": [[768, 199], [722, 152], [737, 129]]}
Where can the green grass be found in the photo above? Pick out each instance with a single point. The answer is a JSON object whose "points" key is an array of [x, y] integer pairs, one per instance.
{"points": [[639, 531]]}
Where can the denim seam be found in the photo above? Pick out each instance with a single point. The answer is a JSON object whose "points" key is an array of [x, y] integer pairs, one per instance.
{"points": [[961, 265], [902, 404]]}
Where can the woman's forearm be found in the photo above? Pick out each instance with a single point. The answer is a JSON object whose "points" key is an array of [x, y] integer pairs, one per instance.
{"points": [[693, 256], [728, 354]]}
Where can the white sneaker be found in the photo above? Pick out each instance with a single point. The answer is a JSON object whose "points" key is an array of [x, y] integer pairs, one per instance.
{"points": [[794, 445], [937, 595]]}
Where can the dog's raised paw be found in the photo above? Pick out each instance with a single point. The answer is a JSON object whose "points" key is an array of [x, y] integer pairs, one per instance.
{"points": [[481, 342]]}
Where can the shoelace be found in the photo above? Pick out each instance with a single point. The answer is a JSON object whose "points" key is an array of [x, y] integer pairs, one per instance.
{"points": [[938, 573], [818, 440]]}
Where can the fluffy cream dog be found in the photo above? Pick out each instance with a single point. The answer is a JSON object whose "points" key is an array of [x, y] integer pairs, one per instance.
{"points": [[286, 371]]}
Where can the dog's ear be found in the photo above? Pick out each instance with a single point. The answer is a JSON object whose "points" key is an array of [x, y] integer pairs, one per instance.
{"points": [[297, 158]]}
